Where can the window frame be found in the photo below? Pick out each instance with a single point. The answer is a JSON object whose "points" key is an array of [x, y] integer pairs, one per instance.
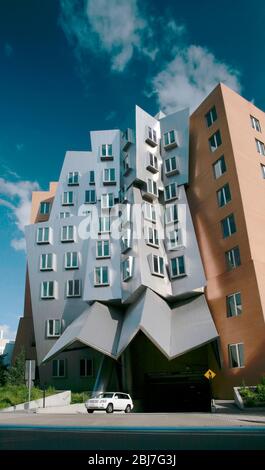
{"points": [[50, 296], [223, 195], [86, 360], [58, 375], [43, 241], [68, 200], [73, 174], [152, 240], [107, 154], [109, 180], [237, 307], [222, 161], [159, 272], [239, 355], [255, 123], [74, 283], [71, 265], [89, 200], [129, 274], [44, 266], [168, 188], [216, 136], [47, 208], [176, 260], [67, 239], [231, 258], [260, 147], [52, 334], [103, 243], [168, 142], [231, 226], [101, 283], [212, 113]]}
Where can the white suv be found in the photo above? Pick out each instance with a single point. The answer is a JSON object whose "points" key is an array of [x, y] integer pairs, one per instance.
{"points": [[110, 401]]}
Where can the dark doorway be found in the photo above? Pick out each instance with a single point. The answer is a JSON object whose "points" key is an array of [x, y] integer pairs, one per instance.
{"points": [[176, 392]]}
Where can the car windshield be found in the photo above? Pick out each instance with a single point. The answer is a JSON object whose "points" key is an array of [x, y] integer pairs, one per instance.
{"points": [[105, 395]]}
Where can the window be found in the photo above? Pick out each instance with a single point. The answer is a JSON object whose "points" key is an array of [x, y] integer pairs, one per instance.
{"points": [[177, 267], [126, 164], [236, 355], [73, 288], [104, 224], [90, 196], [228, 226], [64, 215], [59, 368], [46, 262], [263, 170], [171, 166], [67, 233], [45, 208], [109, 176], [233, 258], [215, 141], [171, 191], [43, 235], [151, 136], [103, 249], [211, 116], [170, 139], [125, 215], [126, 237], [106, 152], [152, 162], [86, 367], [54, 328], [107, 200], [71, 260], [127, 268], [149, 212], [255, 123], [158, 266], [91, 177], [174, 239], [260, 147], [73, 178], [152, 236], [219, 167], [234, 305], [101, 276], [152, 187], [171, 213], [47, 290], [68, 198], [223, 195]]}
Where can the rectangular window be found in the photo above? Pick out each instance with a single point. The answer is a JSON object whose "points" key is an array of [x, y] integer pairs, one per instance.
{"points": [[67, 233], [46, 262], [59, 368], [260, 147], [171, 167], [149, 212], [234, 305], [107, 201], [170, 139], [106, 152], [263, 170], [45, 208], [255, 123], [104, 224], [233, 258], [126, 164], [91, 177], [103, 249], [43, 235], [171, 191], [174, 239], [68, 198], [64, 215], [171, 213], [223, 195], [54, 328], [101, 276], [47, 290], [151, 136], [90, 196], [228, 226], [219, 167], [211, 116], [152, 187], [73, 288], [158, 265], [71, 260], [152, 236], [215, 141], [152, 162], [236, 355], [109, 176], [177, 267], [126, 240], [86, 368], [73, 178], [127, 268]]}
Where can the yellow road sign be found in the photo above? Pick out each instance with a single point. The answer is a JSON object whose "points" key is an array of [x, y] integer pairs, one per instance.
{"points": [[210, 374]]}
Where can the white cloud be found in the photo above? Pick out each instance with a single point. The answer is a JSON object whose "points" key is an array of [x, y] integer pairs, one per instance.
{"points": [[17, 197], [190, 77], [8, 333], [8, 50]]}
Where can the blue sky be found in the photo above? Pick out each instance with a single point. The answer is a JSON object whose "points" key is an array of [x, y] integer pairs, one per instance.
{"points": [[70, 66]]}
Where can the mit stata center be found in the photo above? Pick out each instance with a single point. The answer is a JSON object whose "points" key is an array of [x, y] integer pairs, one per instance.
{"points": [[146, 260]]}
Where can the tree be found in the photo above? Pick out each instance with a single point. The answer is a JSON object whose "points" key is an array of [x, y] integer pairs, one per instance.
{"points": [[16, 373], [3, 370]]}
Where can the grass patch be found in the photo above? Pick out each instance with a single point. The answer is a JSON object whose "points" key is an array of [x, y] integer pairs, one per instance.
{"points": [[79, 397], [11, 395]]}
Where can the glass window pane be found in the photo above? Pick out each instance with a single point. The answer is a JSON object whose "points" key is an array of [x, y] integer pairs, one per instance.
{"points": [[233, 355], [241, 355]]}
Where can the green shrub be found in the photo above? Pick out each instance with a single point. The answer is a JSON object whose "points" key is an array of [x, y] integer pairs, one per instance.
{"points": [[79, 397], [256, 396], [11, 395]]}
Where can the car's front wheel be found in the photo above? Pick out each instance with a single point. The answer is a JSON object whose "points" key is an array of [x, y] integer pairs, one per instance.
{"points": [[90, 411], [109, 408], [128, 409]]}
